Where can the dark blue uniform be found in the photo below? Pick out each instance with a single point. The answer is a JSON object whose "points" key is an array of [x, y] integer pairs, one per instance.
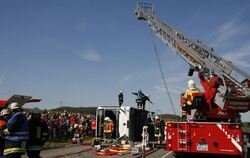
{"points": [[16, 135]]}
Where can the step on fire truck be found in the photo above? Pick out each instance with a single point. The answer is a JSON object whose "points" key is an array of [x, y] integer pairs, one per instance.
{"points": [[213, 129]]}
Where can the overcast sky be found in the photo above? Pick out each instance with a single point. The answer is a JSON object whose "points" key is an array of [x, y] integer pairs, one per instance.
{"points": [[83, 52]]}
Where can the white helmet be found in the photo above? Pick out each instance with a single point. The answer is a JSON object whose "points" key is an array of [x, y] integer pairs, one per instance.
{"points": [[191, 84], [76, 126], [157, 117], [14, 106], [36, 111], [5, 112], [106, 118]]}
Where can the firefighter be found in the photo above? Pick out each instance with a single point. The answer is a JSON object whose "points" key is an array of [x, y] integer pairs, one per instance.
{"points": [[38, 134], [159, 129], [108, 128], [120, 98], [210, 87], [5, 113], [188, 97], [93, 126], [145, 98], [139, 98], [16, 132]]}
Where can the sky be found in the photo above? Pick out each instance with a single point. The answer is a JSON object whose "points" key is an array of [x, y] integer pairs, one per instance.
{"points": [[83, 52]]}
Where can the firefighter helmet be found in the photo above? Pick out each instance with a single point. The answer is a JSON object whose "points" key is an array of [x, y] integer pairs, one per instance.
{"points": [[76, 126], [14, 106], [106, 118], [157, 117], [191, 84]]}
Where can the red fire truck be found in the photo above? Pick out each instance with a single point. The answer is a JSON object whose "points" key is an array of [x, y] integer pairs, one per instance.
{"points": [[213, 126]]}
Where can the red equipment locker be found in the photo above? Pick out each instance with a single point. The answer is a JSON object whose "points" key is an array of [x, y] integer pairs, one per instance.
{"points": [[204, 137]]}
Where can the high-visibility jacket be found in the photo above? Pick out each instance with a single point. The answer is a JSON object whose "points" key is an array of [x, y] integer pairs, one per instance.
{"points": [[108, 127], [188, 97], [17, 133], [190, 94]]}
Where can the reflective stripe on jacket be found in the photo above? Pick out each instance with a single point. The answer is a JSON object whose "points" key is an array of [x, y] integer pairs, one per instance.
{"points": [[14, 150], [21, 131], [109, 127]]}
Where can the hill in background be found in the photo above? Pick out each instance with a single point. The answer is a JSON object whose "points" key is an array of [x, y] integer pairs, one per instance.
{"points": [[168, 117]]}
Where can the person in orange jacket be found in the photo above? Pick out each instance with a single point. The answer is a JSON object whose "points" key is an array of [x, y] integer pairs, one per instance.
{"points": [[108, 127]]}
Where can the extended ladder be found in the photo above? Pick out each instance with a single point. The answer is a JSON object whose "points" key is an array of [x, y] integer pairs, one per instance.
{"points": [[196, 54]]}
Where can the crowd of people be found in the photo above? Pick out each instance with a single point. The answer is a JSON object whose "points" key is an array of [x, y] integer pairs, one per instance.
{"points": [[66, 125], [23, 131]]}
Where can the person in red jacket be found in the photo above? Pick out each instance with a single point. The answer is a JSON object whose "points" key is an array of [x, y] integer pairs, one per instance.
{"points": [[210, 87], [93, 126]]}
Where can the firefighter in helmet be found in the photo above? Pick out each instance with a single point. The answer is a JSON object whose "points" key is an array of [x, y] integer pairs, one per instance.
{"points": [[38, 134], [188, 97], [159, 129], [4, 115], [108, 127], [16, 133]]}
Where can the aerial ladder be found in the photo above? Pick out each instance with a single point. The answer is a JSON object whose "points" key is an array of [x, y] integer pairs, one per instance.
{"points": [[232, 96]]}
